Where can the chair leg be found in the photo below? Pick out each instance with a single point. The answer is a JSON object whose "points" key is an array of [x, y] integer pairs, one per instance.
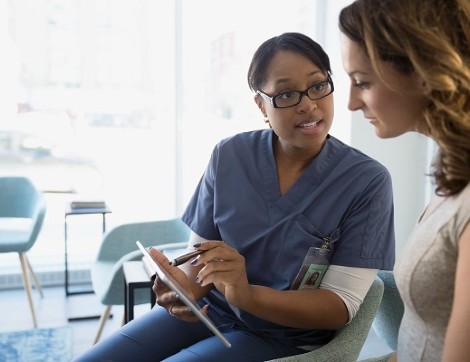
{"points": [[104, 317], [27, 285], [35, 279]]}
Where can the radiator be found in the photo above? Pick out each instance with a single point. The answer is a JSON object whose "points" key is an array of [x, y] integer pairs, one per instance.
{"points": [[14, 279]]}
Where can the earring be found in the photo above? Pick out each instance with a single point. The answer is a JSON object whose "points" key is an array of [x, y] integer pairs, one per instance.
{"points": [[266, 121]]}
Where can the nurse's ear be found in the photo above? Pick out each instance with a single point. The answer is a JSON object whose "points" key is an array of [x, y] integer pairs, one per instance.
{"points": [[259, 102]]}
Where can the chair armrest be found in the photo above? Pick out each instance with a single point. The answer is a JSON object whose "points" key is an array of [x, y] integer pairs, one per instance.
{"points": [[137, 254]]}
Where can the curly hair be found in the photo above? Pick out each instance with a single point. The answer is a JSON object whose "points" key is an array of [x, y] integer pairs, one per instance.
{"points": [[431, 38]]}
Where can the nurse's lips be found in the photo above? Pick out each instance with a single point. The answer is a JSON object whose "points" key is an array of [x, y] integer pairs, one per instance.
{"points": [[309, 124]]}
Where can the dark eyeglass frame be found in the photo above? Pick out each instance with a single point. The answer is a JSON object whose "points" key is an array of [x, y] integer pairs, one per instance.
{"points": [[272, 99]]}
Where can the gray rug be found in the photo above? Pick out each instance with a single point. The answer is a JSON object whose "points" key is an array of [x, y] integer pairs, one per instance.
{"points": [[37, 345]]}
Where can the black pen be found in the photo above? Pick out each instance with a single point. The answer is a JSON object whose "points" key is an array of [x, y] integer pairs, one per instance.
{"points": [[186, 257]]}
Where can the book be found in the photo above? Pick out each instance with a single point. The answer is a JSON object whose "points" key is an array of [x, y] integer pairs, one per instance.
{"points": [[88, 204]]}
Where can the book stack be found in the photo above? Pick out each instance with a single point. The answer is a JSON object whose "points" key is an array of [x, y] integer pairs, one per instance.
{"points": [[88, 204], [87, 201]]}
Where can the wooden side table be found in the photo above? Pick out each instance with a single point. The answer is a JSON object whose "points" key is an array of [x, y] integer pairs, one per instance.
{"points": [[135, 277]]}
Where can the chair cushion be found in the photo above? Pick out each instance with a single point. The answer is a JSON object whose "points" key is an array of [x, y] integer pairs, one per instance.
{"points": [[12, 240]]}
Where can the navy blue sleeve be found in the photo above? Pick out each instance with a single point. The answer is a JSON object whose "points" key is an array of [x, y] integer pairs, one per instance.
{"points": [[199, 213]]}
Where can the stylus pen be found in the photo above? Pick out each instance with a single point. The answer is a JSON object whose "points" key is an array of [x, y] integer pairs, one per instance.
{"points": [[186, 257]]}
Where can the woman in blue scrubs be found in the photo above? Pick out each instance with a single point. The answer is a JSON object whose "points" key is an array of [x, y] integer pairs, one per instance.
{"points": [[268, 199]]}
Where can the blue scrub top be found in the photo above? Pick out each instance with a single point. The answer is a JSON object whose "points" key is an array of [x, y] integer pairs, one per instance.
{"points": [[343, 194]]}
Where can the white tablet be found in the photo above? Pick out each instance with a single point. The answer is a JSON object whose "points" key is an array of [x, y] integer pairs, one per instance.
{"points": [[173, 284]]}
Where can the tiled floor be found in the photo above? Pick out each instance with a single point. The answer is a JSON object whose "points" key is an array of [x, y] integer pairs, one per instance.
{"points": [[55, 309]]}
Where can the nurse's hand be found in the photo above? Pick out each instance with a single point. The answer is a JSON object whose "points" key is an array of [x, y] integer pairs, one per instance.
{"points": [[225, 268], [167, 298]]}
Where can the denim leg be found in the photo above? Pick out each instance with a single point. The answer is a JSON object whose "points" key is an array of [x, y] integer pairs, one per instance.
{"points": [[246, 347], [157, 336], [151, 337]]}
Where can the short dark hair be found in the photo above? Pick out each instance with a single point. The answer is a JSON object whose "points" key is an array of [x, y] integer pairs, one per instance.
{"points": [[295, 42]]}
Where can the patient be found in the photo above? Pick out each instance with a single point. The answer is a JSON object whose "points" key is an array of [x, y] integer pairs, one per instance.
{"points": [[409, 64]]}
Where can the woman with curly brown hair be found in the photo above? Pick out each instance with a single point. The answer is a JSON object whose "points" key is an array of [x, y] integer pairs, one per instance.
{"points": [[408, 61]]}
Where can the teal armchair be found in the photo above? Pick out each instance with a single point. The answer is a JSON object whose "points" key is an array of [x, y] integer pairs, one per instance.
{"points": [[22, 211], [389, 316], [347, 343], [118, 246]]}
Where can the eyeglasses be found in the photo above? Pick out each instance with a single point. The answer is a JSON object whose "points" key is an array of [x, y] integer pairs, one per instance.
{"points": [[292, 98]]}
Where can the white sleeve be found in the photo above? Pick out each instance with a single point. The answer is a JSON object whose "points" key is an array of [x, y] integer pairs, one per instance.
{"points": [[195, 239], [350, 284]]}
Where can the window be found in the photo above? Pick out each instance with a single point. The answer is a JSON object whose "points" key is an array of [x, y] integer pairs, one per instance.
{"points": [[139, 91]]}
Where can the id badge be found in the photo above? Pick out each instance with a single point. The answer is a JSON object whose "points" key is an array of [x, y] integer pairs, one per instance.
{"points": [[313, 269]]}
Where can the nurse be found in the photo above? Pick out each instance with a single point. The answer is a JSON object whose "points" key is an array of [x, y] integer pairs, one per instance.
{"points": [[268, 201]]}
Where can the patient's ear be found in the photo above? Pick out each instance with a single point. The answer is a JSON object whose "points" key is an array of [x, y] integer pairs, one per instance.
{"points": [[421, 84], [425, 88]]}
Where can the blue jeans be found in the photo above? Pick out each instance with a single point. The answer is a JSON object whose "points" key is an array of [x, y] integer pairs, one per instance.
{"points": [[157, 336]]}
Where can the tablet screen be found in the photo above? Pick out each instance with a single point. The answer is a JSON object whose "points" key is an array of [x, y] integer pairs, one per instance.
{"points": [[173, 284]]}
